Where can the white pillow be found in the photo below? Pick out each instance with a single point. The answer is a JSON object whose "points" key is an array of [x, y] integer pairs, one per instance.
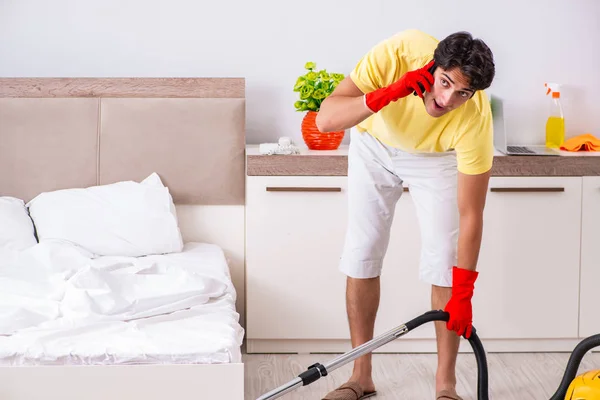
{"points": [[16, 228], [120, 219]]}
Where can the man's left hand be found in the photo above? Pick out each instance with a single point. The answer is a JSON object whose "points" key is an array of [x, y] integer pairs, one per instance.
{"points": [[459, 307]]}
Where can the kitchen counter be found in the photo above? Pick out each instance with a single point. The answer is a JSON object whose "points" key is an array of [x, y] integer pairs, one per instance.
{"points": [[334, 163]]}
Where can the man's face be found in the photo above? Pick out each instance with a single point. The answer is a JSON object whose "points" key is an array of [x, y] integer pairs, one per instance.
{"points": [[449, 91]]}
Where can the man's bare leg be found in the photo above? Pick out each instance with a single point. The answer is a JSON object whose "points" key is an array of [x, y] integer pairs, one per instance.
{"points": [[362, 302], [447, 342]]}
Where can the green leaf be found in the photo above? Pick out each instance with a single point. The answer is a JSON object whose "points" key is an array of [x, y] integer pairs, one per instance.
{"points": [[306, 91], [310, 65], [299, 84], [324, 75], [319, 94], [312, 76]]}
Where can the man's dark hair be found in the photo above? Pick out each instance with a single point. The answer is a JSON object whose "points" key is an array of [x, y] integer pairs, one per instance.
{"points": [[472, 56]]}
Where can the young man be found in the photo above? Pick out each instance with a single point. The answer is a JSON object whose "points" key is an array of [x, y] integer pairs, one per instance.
{"points": [[433, 132]]}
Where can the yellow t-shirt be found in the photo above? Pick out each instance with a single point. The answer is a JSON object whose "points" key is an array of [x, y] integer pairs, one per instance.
{"points": [[405, 124]]}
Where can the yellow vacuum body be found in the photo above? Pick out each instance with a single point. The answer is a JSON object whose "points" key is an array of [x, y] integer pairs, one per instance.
{"points": [[585, 387]]}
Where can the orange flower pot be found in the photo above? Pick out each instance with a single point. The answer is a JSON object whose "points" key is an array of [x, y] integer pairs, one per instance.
{"points": [[317, 140]]}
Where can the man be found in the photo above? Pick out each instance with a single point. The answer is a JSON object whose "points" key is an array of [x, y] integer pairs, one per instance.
{"points": [[433, 132]]}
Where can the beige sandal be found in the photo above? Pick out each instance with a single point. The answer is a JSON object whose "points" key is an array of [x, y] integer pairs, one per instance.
{"points": [[447, 394], [349, 391]]}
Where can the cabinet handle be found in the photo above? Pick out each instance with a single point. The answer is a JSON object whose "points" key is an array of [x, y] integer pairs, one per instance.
{"points": [[528, 189], [303, 189]]}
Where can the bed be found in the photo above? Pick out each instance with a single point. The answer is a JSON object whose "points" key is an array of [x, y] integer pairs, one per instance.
{"points": [[122, 244]]}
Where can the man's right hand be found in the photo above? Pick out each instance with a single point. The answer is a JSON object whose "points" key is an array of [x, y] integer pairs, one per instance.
{"points": [[404, 86]]}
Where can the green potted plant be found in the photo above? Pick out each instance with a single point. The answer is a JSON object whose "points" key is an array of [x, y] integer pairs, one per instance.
{"points": [[313, 87]]}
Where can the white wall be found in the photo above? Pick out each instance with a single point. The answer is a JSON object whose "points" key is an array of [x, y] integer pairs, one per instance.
{"points": [[268, 42]]}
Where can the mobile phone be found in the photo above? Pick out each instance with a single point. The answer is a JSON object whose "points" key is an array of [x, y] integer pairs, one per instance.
{"points": [[431, 70]]}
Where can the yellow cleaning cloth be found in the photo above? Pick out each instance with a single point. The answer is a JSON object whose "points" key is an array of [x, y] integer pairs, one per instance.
{"points": [[585, 142]]}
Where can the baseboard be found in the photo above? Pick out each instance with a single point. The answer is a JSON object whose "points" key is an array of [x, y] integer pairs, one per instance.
{"points": [[409, 346]]}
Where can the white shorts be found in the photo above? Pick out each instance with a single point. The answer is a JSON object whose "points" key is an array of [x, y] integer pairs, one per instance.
{"points": [[376, 174]]}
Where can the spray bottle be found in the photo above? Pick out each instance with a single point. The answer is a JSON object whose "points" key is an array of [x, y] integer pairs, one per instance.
{"points": [[555, 125]]}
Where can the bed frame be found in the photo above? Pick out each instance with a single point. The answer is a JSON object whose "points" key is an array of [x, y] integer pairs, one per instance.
{"points": [[58, 133]]}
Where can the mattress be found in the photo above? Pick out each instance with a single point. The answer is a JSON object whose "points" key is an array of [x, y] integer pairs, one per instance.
{"points": [[62, 306]]}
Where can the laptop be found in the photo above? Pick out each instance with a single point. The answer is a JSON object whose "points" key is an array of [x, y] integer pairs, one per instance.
{"points": [[500, 140]]}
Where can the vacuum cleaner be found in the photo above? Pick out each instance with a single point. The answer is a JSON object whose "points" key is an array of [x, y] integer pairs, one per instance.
{"points": [[585, 386]]}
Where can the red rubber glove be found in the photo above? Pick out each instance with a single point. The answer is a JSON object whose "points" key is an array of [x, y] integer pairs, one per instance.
{"points": [[404, 86], [459, 307]]}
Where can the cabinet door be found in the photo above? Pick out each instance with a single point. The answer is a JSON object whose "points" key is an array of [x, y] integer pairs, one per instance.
{"points": [[590, 258], [295, 232], [296, 228], [529, 262]]}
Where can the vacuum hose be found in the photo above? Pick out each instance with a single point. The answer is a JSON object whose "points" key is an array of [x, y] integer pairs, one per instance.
{"points": [[474, 341], [482, 381], [573, 365]]}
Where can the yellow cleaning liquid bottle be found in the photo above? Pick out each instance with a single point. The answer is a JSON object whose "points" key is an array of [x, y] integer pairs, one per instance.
{"points": [[555, 126]]}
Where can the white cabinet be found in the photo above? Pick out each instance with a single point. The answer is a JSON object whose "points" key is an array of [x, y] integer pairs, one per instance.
{"points": [[590, 258], [528, 285], [296, 229], [295, 232], [529, 262]]}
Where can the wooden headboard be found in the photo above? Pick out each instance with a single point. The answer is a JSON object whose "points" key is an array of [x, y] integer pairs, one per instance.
{"points": [[76, 132], [59, 133]]}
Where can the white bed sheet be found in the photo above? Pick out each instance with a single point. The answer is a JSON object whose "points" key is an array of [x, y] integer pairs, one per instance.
{"points": [[61, 306]]}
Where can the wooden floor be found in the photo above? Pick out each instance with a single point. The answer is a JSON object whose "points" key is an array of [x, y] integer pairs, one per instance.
{"points": [[514, 376]]}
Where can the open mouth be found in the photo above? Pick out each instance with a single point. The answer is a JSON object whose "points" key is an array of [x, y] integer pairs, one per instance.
{"points": [[437, 106]]}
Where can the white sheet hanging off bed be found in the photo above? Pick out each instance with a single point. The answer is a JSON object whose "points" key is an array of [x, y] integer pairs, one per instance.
{"points": [[59, 305]]}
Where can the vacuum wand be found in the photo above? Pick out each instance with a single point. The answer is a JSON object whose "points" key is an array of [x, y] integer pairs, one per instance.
{"points": [[316, 371]]}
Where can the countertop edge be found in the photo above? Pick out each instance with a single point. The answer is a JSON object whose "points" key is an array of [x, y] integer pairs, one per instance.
{"points": [[336, 164]]}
